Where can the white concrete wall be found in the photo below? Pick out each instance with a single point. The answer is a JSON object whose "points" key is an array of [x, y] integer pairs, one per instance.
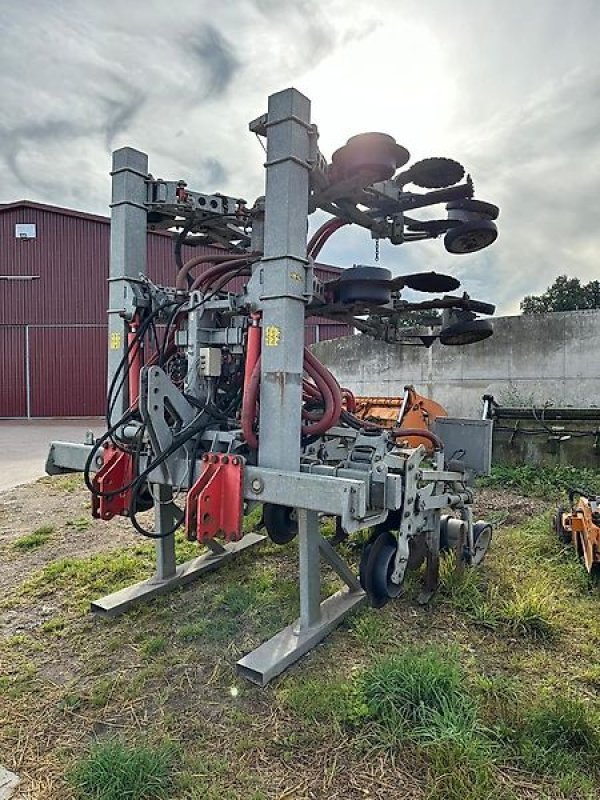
{"points": [[529, 359]]}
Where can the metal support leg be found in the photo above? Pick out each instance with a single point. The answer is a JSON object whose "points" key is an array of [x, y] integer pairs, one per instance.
{"points": [[164, 519], [316, 620], [310, 577], [168, 575]]}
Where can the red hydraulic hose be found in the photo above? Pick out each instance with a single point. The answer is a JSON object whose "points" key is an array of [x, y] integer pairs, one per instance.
{"points": [[181, 280], [250, 407], [252, 349], [216, 272], [135, 362], [332, 394], [320, 237], [349, 399], [236, 273], [424, 434]]}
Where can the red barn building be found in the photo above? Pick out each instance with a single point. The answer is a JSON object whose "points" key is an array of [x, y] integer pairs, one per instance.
{"points": [[53, 301]]}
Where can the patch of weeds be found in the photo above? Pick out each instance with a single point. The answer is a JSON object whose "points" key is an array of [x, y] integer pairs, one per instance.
{"points": [[529, 613], [421, 692], [558, 728], [69, 482], [55, 625], [80, 579], [219, 628], [101, 692], [154, 646], [35, 539], [20, 679], [70, 702], [461, 587], [113, 770], [209, 777], [498, 703], [325, 700], [370, 628], [548, 482], [252, 521], [461, 770], [79, 524]]}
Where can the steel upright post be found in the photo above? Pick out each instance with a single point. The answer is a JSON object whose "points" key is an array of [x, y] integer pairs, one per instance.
{"points": [[128, 223], [284, 270]]}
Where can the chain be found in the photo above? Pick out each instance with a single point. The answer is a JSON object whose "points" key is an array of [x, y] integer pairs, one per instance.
{"points": [[376, 250]]}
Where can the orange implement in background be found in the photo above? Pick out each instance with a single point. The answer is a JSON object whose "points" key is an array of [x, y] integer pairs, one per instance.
{"points": [[581, 527], [410, 411]]}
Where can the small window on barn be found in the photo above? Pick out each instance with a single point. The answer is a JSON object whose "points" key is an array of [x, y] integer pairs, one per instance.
{"points": [[25, 230]]}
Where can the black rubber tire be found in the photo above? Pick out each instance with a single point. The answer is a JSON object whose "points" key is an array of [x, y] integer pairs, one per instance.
{"points": [[474, 207], [470, 237], [564, 535], [280, 525], [378, 569], [417, 547], [482, 534]]}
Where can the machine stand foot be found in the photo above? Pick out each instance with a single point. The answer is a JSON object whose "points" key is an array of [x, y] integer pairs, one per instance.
{"points": [[116, 603], [273, 657]]}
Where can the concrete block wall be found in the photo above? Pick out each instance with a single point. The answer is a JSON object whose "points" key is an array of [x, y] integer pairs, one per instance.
{"points": [[529, 359]]}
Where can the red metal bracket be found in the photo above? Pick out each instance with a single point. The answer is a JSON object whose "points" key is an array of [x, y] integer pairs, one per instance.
{"points": [[215, 503], [116, 471]]}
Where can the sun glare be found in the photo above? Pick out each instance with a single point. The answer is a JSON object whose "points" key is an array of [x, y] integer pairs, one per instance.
{"points": [[392, 80]]}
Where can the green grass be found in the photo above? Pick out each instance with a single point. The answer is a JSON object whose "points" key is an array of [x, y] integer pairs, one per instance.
{"points": [[530, 611], [547, 482], [35, 539], [472, 693], [79, 524], [113, 770]]}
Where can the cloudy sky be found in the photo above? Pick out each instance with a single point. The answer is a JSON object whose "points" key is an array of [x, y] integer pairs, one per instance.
{"points": [[509, 87]]}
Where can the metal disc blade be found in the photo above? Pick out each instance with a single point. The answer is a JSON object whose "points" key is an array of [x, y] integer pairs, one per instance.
{"points": [[430, 282]]}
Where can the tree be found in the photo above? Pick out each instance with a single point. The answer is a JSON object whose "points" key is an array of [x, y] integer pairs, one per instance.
{"points": [[565, 294]]}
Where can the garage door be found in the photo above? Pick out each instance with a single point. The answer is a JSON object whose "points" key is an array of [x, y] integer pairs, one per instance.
{"points": [[67, 367], [13, 391]]}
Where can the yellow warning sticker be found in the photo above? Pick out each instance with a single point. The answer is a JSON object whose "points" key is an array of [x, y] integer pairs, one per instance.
{"points": [[114, 341], [272, 335]]}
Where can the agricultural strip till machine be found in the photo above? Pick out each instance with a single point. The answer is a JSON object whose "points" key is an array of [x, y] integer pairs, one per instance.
{"points": [[213, 397], [579, 525]]}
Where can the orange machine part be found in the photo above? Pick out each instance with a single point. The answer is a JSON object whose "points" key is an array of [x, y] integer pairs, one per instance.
{"points": [[419, 412], [584, 532]]}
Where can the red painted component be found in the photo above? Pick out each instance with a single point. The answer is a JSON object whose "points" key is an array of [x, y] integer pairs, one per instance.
{"points": [[252, 348], [116, 471], [214, 505], [136, 362]]}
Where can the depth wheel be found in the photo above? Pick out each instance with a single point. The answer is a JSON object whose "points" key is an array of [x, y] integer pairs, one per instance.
{"points": [[280, 522], [482, 538], [377, 571], [470, 237]]}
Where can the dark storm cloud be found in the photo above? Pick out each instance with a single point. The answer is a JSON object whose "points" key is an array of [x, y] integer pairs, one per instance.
{"points": [[218, 62], [120, 111], [17, 139]]}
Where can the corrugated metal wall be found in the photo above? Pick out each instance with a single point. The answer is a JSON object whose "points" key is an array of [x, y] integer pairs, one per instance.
{"points": [[50, 368], [13, 393]]}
